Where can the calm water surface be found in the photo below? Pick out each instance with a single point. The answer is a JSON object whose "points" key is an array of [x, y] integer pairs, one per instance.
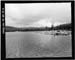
{"points": [[37, 44]]}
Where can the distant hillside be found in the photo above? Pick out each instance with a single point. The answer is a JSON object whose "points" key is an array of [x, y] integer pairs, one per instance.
{"points": [[59, 27], [10, 28], [64, 27]]}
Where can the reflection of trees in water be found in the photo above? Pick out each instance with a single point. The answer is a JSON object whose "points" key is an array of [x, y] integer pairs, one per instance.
{"points": [[55, 32]]}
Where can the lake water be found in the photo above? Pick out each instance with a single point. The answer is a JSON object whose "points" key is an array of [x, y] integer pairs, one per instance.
{"points": [[37, 44]]}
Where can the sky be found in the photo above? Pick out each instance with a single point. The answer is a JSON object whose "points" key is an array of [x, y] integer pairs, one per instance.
{"points": [[37, 14]]}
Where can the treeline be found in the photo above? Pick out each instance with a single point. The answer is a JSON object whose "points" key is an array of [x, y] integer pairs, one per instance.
{"points": [[63, 27], [60, 27], [8, 29]]}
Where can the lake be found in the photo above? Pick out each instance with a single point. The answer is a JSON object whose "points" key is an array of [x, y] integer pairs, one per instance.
{"points": [[37, 44]]}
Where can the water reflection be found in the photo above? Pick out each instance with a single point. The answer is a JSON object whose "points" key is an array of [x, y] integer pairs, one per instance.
{"points": [[31, 44]]}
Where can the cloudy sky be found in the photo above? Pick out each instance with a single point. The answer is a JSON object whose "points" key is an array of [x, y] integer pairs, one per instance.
{"points": [[37, 14]]}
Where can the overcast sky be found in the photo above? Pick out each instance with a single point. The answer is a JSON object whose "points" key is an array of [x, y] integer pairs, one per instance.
{"points": [[37, 14]]}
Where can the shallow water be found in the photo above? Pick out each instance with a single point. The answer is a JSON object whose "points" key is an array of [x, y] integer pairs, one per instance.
{"points": [[37, 44]]}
